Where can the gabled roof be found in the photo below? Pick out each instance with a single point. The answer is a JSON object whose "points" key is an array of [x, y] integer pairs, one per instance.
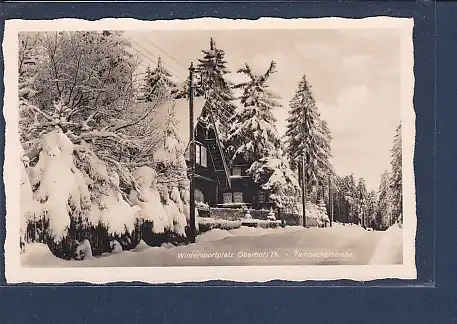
{"points": [[181, 107]]}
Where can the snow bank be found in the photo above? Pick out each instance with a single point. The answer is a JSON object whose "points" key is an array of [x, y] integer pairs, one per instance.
{"points": [[258, 231], [284, 240], [213, 235], [38, 254], [390, 248], [141, 246]]}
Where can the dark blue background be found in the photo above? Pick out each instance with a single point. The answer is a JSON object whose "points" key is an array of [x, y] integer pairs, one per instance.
{"points": [[435, 42]]}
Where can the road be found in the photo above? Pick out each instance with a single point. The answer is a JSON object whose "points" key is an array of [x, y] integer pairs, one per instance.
{"points": [[341, 245]]}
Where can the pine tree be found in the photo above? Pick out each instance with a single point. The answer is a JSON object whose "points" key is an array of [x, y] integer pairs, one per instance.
{"points": [[324, 165], [349, 195], [361, 201], [212, 68], [383, 218], [253, 133], [308, 136], [396, 176], [253, 139], [371, 210], [158, 85], [276, 177], [169, 155]]}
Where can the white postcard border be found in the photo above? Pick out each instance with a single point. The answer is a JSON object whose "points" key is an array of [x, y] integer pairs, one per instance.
{"points": [[15, 273]]}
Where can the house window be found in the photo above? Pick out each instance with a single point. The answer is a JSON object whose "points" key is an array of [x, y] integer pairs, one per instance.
{"points": [[238, 197], [197, 154], [227, 196], [201, 155], [236, 171]]}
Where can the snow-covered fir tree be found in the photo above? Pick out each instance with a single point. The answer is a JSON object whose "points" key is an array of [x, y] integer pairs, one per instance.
{"points": [[396, 176], [254, 139], [349, 198], [361, 201], [308, 136], [158, 84], [169, 155], [371, 209], [253, 134], [384, 217], [276, 177], [212, 68]]}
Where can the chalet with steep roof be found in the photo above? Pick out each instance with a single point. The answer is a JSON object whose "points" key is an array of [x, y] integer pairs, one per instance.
{"points": [[217, 183]]}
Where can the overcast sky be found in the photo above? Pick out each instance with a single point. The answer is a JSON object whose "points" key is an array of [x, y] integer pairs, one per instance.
{"points": [[355, 78]]}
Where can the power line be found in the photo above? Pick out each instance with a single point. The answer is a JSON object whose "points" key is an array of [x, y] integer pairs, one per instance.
{"points": [[203, 83], [145, 56], [152, 54], [163, 51]]}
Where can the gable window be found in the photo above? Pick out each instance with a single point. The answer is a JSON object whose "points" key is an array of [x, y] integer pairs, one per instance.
{"points": [[201, 155]]}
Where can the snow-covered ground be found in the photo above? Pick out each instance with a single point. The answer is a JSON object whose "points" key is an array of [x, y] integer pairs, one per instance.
{"points": [[389, 249], [291, 245]]}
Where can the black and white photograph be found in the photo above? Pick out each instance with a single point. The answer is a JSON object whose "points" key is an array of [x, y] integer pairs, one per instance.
{"points": [[194, 150]]}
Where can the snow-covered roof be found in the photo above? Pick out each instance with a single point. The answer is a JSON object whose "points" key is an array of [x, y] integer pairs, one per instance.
{"points": [[181, 108]]}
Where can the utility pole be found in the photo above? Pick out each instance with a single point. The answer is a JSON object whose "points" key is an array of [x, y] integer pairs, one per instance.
{"points": [[192, 232]]}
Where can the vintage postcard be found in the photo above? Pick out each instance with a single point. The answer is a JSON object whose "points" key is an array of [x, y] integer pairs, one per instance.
{"points": [[209, 149]]}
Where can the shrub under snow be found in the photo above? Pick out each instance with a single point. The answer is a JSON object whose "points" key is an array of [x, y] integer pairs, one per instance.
{"points": [[315, 215], [147, 197], [30, 208], [84, 251], [179, 218], [116, 247], [72, 183], [61, 187]]}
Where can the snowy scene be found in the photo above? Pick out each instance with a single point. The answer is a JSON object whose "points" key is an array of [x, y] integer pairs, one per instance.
{"points": [[159, 148]]}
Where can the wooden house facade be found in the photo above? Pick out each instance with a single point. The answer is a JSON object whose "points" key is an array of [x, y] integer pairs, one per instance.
{"points": [[217, 182]]}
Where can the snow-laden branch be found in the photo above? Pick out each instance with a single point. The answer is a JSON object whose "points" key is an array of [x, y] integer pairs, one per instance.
{"points": [[38, 110]]}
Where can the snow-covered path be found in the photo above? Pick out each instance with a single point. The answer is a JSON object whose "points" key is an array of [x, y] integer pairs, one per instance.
{"points": [[248, 246]]}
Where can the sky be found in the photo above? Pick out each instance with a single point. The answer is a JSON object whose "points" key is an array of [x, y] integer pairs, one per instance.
{"points": [[354, 74]]}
